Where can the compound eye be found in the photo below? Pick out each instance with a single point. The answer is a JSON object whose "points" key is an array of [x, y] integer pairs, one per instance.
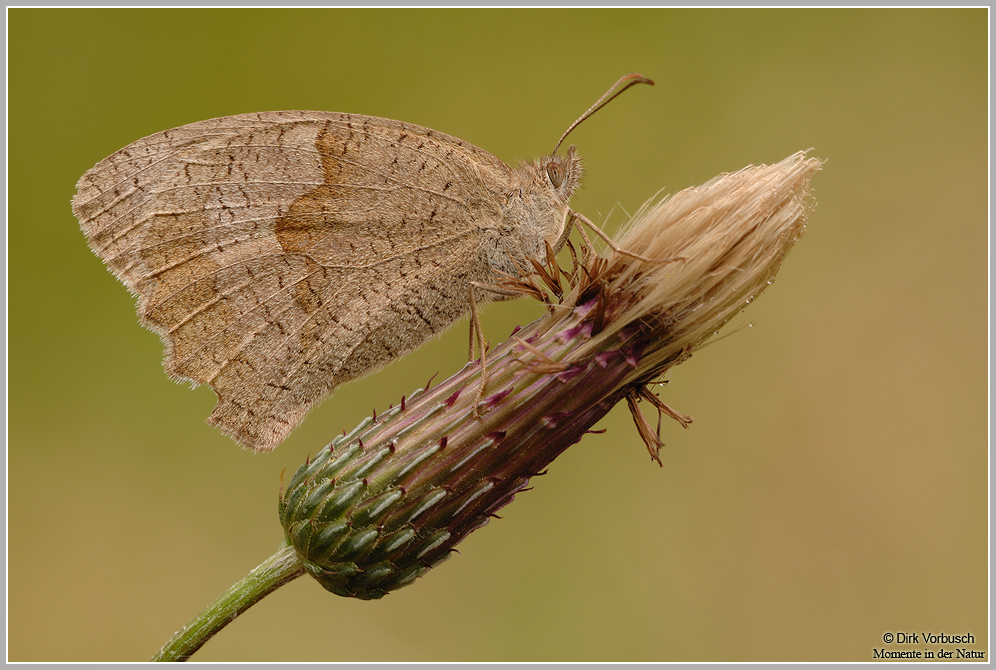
{"points": [[556, 174]]}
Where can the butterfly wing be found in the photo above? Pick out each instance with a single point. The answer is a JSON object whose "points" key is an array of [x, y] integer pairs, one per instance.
{"points": [[279, 255]]}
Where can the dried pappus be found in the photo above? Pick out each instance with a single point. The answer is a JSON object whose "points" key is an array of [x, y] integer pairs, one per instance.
{"points": [[730, 235]]}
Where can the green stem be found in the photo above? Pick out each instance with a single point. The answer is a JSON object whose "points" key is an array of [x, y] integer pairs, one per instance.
{"points": [[270, 575]]}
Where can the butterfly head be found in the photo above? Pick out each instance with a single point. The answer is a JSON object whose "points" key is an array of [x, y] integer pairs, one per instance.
{"points": [[545, 189], [562, 174]]}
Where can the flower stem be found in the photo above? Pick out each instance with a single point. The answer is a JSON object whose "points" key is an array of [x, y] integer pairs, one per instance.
{"points": [[270, 575]]}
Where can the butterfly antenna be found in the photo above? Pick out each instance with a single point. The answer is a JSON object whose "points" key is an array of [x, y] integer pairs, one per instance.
{"points": [[625, 82]]}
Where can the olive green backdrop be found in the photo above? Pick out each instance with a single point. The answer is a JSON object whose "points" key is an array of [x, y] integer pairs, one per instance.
{"points": [[832, 489]]}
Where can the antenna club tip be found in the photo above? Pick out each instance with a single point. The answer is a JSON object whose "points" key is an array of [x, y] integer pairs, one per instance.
{"points": [[638, 78]]}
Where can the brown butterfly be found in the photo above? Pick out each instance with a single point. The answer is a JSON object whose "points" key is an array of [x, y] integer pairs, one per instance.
{"points": [[279, 255]]}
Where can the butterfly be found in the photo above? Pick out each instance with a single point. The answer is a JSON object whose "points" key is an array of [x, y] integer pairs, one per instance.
{"points": [[279, 255]]}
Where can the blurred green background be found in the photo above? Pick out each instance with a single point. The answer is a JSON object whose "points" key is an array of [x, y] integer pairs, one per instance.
{"points": [[832, 488]]}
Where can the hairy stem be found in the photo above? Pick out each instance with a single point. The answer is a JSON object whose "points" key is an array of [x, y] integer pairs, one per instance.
{"points": [[270, 575]]}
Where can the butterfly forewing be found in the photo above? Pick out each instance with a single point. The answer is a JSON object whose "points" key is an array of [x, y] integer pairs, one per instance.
{"points": [[279, 255]]}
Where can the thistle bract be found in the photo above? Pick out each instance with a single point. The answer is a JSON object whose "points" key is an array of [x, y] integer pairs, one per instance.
{"points": [[379, 507]]}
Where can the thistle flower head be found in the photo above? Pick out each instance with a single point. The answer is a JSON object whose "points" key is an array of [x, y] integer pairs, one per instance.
{"points": [[380, 506]]}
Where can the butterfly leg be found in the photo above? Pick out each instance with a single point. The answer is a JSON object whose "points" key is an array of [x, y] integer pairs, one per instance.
{"points": [[616, 248], [476, 332]]}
